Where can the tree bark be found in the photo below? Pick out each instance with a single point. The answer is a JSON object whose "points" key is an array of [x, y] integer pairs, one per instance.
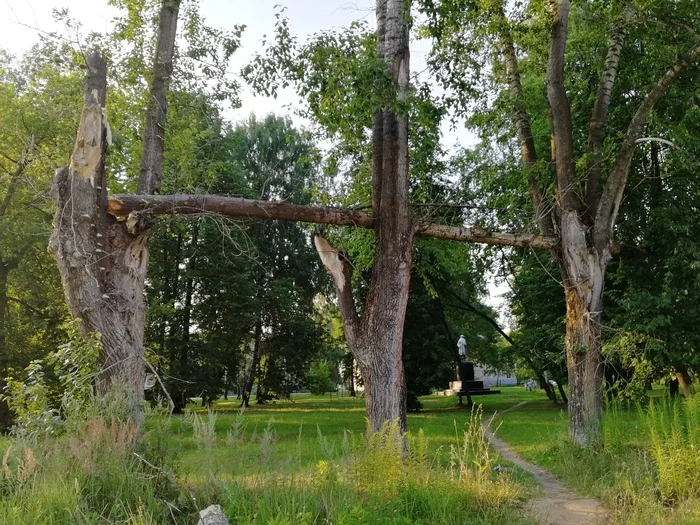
{"points": [[102, 262], [584, 273], [248, 388], [596, 126], [5, 268], [684, 381], [151, 170]]}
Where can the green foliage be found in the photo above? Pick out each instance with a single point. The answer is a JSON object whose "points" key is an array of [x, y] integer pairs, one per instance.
{"points": [[226, 277], [58, 388], [40, 102], [318, 379]]}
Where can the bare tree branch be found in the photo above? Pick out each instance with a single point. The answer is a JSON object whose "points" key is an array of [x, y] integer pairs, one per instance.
{"points": [[132, 205], [596, 127]]}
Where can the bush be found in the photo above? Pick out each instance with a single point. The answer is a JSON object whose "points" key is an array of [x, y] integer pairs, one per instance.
{"points": [[318, 380]]}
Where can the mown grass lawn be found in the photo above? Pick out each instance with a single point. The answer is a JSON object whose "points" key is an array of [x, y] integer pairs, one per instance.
{"points": [[308, 427]]}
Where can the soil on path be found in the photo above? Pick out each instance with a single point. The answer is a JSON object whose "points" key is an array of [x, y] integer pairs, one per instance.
{"points": [[558, 505]]}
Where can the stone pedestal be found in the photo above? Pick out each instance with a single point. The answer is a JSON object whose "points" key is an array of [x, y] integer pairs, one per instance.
{"points": [[466, 371]]}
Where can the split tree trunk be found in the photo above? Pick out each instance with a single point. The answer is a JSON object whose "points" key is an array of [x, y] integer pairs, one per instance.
{"points": [[376, 340], [584, 274], [102, 262]]}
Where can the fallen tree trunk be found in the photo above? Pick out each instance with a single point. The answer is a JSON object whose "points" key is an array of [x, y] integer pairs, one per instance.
{"points": [[133, 205]]}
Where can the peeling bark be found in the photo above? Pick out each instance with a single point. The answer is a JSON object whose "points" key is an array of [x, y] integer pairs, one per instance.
{"points": [[584, 274], [102, 265]]}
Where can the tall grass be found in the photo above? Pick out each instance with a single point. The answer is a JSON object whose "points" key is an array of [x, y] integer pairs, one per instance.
{"points": [[105, 471], [674, 440], [372, 483], [94, 475], [647, 471]]}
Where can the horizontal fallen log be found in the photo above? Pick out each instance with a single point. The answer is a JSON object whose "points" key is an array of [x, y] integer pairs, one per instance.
{"points": [[123, 205]]}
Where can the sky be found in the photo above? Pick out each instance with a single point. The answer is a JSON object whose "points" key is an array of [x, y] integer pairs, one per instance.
{"points": [[22, 21]]}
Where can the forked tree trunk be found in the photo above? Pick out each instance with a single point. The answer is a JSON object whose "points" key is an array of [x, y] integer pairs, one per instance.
{"points": [[102, 262], [376, 339], [584, 274]]}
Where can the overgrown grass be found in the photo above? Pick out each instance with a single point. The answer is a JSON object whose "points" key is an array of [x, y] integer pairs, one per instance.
{"points": [[307, 461], [647, 472], [295, 463]]}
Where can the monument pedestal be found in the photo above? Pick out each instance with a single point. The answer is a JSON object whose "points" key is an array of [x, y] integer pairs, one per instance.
{"points": [[467, 386]]}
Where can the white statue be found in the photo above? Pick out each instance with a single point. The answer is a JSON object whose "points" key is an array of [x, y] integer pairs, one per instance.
{"points": [[462, 347]]}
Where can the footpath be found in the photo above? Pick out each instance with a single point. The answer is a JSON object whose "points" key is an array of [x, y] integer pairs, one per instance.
{"points": [[558, 505]]}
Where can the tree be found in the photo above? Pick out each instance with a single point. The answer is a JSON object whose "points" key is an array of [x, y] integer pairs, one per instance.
{"points": [[103, 259], [39, 101], [591, 164]]}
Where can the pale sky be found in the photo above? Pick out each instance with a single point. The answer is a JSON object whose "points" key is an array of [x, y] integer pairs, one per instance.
{"points": [[21, 22]]}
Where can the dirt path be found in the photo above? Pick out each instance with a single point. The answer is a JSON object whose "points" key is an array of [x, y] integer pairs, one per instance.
{"points": [[559, 505]]}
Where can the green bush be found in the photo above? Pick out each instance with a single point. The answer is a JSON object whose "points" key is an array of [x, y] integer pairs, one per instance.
{"points": [[318, 380]]}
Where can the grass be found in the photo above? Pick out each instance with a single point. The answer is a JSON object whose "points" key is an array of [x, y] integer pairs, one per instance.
{"points": [[300, 462], [306, 461]]}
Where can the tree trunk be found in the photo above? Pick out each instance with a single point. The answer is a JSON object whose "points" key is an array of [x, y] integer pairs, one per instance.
{"points": [[684, 381], [5, 421], [102, 262], [583, 268], [376, 340], [544, 385], [248, 388], [562, 393]]}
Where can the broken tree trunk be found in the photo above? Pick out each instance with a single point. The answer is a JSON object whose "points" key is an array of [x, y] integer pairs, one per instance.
{"points": [[102, 261]]}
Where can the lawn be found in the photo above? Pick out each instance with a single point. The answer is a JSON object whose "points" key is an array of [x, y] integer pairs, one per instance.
{"points": [[300, 426], [307, 461]]}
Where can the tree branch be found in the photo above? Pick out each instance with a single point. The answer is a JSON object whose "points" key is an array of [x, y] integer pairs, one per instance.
{"points": [[156, 115], [562, 135], [596, 127], [614, 189], [341, 273], [133, 205]]}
